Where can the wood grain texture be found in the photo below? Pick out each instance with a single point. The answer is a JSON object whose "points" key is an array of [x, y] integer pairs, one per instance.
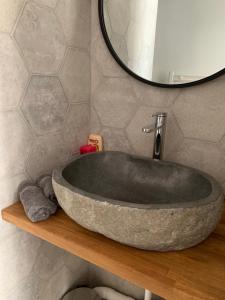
{"points": [[194, 274]]}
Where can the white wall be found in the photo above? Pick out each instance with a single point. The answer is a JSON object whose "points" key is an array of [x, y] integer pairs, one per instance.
{"points": [[190, 38]]}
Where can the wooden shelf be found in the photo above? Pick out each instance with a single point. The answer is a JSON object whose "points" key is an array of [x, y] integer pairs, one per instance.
{"points": [[193, 274]]}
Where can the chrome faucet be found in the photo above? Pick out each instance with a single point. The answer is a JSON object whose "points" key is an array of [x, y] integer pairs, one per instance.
{"points": [[159, 128]]}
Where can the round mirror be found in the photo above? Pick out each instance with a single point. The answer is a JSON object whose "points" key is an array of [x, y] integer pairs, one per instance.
{"points": [[174, 43]]}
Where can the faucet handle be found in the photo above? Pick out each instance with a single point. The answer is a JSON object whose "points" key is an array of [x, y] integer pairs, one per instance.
{"points": [[148, 129]]}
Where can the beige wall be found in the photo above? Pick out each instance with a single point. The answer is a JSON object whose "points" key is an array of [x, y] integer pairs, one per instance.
{"points": [[44, 112], [121, 105]]}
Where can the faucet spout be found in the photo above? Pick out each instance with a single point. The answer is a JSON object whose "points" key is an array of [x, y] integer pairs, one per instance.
{"points": [[159, 128]]}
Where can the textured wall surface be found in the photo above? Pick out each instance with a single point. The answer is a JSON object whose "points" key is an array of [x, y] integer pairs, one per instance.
{"points": [[44, 115], [121, 106], [44, 112]]}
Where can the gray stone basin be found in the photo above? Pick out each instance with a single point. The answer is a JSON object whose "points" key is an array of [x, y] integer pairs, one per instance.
{"points": [[154, 205]]}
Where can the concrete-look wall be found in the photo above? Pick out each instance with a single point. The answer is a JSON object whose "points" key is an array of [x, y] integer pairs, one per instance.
{"points": [[44, 115], [121, 106]]}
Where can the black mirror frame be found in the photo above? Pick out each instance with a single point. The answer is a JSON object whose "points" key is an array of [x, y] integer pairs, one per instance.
{"points": [[119, 61]]}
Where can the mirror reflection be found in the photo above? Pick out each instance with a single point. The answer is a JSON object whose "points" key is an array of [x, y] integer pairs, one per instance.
{"points": [[168, 42]]}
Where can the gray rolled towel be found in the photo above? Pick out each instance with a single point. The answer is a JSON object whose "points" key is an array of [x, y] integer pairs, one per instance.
{"points": [[82, 294], [37, 207], [45, 183]]}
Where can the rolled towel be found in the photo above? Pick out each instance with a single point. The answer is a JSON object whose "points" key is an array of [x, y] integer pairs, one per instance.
{"points": [[82, 294], [37, 207], [110, 294], [45, 183]]}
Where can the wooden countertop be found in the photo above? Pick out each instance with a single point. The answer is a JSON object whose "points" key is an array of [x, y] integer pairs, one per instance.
{"points": [[196, 273]]}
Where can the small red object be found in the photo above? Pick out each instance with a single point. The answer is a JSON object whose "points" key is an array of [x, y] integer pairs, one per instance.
{"points": [[87, 149]]}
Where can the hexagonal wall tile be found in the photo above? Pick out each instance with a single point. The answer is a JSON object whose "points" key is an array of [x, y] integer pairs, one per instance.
{"points": [[120, 46], [13, 75], [13, 255], [75, 75], [119, 15], [77, 127], [223, 186], [79, 115], [115, 102], [95, 32], [95, 124], [47, 153], [154, 96], [200, 111], [75, 263], [9, 195], [16, 137], [142, 142], [27, 288], [45, 104], [96, 75], [9, 11], [203, 155], [57, 286], [104, 60], [40, 38], [9, 190], [107, 19], [115, 140], [173, 136], [50, 3], [222, 143], [75, 16], [48, 261]]}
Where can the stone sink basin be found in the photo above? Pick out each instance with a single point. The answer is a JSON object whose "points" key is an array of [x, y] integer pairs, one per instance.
{"points": [[153, 205]]}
